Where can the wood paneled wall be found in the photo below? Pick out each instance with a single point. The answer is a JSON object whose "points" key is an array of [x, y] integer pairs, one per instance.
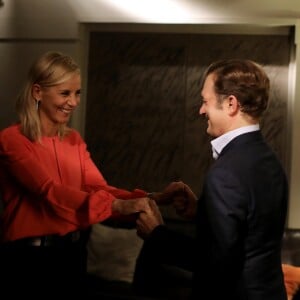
{"points": [[143, 95]]}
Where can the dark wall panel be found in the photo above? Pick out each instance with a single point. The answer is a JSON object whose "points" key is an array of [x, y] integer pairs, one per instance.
{"points": [[142, 123]]}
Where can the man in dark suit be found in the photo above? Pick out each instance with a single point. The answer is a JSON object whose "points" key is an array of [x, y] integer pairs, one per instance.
{"points": [[242, 210]]}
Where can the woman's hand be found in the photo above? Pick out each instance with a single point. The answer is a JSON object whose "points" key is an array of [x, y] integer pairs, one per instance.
{"points": [[131, 206]]}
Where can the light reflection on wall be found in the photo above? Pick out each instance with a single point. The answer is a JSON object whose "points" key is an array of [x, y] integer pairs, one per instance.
{"points": [[162, 11]]}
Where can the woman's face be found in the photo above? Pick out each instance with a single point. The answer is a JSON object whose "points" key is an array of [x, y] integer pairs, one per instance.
{"points": [[57, 103]]}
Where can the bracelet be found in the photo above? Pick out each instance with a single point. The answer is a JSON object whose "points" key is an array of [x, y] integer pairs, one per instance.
{"points": [[151, 195]]}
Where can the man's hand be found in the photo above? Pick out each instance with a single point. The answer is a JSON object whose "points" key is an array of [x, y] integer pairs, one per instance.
{"points": [[148, 220], [180, 196], [170, 191], [185, 203]]}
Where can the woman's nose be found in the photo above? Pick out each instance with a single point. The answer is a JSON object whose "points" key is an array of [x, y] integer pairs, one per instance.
{"points": [[73, 101]]}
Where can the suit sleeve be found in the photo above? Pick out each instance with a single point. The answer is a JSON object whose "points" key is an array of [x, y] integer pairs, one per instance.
{"points": [[168, 246], [225, 209]]}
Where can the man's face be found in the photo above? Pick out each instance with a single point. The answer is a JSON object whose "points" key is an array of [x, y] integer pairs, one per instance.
{"points": [[213, 110]]}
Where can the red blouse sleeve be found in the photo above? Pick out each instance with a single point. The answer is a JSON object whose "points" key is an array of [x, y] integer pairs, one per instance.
{"points": [[78, 207]]}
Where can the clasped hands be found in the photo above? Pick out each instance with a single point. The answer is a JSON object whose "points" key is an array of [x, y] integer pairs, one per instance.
{"points": [[149, 217]]}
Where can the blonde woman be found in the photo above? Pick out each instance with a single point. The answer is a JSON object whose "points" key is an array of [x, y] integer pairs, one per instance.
{"points": [[51, 189]]}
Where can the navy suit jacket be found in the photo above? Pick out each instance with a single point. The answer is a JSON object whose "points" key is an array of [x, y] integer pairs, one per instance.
{"points": [[240, 222]]}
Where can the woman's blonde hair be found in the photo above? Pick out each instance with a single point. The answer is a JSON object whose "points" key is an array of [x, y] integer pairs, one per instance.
{"points": [[51, 69]]}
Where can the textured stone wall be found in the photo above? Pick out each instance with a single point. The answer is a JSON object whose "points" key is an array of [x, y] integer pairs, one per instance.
{"points": [[143, 95]]}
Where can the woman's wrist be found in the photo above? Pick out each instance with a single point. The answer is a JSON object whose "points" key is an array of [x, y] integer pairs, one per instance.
{"points": [[156, 196]]}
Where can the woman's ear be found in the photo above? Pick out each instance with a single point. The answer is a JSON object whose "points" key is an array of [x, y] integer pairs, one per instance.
{"points": [[36, 92]]}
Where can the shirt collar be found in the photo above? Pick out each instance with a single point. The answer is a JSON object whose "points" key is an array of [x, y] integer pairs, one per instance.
{"points": [[220, 142]]}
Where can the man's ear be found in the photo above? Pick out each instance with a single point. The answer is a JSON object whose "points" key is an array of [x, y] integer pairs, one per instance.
{"points": [[36, 92], [233, 104]]}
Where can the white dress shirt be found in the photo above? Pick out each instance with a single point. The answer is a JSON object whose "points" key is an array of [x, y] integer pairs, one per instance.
{"points": [[220, 142]]}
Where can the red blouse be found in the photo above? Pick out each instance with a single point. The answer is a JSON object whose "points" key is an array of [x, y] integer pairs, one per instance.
{"points": [[52, 187]]}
